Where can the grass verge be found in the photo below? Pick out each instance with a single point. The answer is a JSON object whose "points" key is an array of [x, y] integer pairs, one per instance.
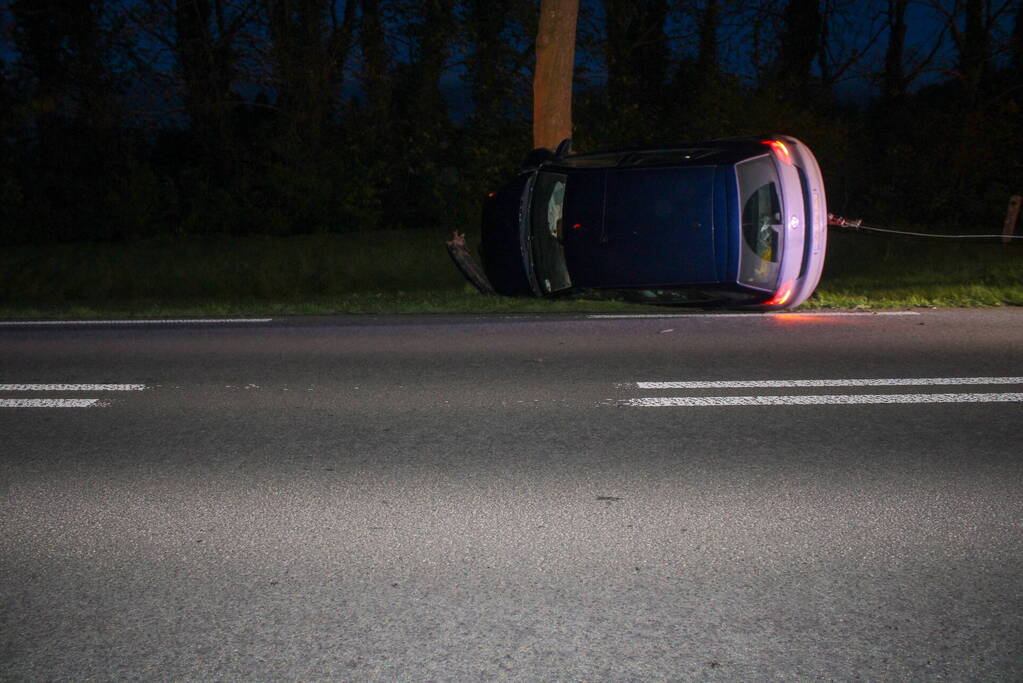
{"points": [[410, 272], [864, 271]]}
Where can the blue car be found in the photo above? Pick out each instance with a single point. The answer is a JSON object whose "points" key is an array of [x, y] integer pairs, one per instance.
{"points": [[739, 222]]}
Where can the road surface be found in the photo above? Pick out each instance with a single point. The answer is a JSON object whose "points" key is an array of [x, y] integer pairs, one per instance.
{"points": [[709, 497]]}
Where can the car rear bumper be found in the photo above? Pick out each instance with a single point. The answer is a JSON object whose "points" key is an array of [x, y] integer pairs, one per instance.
{"points": [[806, 214]]}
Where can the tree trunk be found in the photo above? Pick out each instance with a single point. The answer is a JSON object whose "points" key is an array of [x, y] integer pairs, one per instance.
{"points": [[894, 87], [376, 61], [204, 62], [309, 57], [707, 57], [799, 44], [552, 80], [1017, 42], [637, 61], [974, 48]]}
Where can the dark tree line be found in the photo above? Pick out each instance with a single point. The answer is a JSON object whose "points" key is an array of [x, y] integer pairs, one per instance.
{"points": [[126, 119]]}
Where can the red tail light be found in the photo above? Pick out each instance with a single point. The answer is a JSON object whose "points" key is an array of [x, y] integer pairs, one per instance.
{"points": [[781, 296], [781, 151]]}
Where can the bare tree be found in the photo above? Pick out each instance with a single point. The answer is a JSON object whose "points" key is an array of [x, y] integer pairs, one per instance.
{"points": [[190, 56], [431, 31], [67, 45], [499, 34], [808, 46], [205, 33], [1017, 41], [893, 86], [973, 25], [375, 72], [637, 57], [800, 41], [310, 46], [904, 61], [709, 26], [973, 43]]}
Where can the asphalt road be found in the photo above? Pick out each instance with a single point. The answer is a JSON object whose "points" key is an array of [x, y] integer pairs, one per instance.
{"points": [[496, 498]]}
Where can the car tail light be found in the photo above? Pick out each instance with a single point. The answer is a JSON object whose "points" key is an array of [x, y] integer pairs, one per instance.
{"points": [[783, 295], [781, 151]]}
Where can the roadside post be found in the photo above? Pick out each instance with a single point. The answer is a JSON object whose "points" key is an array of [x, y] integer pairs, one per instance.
{"points": [[1010, 219]]}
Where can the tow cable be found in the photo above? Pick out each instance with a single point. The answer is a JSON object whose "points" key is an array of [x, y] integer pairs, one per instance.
{"points": [[856, 225]]}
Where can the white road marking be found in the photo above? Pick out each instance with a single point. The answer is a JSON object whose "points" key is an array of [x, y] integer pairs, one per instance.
{"points": [[786, 383], [48, 402], [72, 387], [62, 402], [840, 399], [183, 321], [750, 316]]}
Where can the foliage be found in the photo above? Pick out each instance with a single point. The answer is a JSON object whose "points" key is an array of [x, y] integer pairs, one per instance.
{"points": [[124, 120]]}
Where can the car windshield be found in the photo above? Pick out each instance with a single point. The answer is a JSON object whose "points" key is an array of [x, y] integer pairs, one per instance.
{"points": [[762, 232], [547, 232]]}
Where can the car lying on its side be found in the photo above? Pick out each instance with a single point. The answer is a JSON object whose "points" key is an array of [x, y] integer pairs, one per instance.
{"points": [[740, 222]]}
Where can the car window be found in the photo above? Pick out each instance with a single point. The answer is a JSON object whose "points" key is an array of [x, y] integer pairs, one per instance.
{"points": [[761, 224], [547, 232], [652, 157], [600, 160], [665, 157]]}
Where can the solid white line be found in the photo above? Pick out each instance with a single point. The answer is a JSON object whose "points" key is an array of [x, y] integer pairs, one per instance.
{"points": [[840, 399], [751, 316], [48, 402], [183, 321], [72, 387], [784, 383]]}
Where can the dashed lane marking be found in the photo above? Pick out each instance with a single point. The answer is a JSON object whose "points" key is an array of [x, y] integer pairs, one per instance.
{"points": [[61, 402], [72, 387], [182, 321], [839, 399], [826, 399], [752, 316], [48, 402], [792, 383]]}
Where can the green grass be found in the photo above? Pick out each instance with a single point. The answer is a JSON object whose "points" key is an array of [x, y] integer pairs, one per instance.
{"points": [[410, 272], [377, 272], [863, 271]]}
